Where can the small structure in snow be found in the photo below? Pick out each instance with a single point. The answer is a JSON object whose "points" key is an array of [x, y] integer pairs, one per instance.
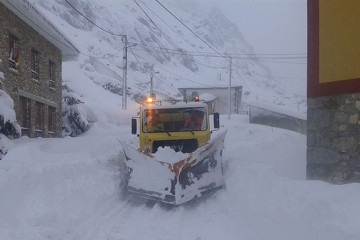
{"points": [[217, 98]]}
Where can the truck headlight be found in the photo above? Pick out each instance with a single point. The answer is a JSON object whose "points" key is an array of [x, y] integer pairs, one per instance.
{"points": [[147, 149]]}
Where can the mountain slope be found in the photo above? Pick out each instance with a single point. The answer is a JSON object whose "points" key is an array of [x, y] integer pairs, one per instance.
{"points": [[159, 43]]}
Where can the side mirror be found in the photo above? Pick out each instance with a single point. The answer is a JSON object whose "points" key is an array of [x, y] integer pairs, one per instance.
{"points": [[133, 126], [216, 120]]}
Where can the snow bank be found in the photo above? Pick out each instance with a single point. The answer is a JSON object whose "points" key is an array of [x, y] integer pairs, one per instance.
{"points": [[1, 77], [68, 189], [7, 107], [8, 123], [168, 155], [5, 145], [76, 119]]}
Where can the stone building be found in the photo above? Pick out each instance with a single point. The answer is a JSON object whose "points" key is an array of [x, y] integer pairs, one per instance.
{"points": [[333, 139], [32, 51]]}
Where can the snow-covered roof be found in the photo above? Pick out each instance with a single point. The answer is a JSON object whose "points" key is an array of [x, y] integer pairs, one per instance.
{"points": [[28, 13], [165, 105], [207, 97]]}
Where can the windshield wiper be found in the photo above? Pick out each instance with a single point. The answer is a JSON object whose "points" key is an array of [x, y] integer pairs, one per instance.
{"points": [[161, 129], [189, 130]]}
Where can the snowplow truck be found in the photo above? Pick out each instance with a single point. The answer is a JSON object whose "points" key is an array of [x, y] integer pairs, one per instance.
{"points": [[179, 157]]}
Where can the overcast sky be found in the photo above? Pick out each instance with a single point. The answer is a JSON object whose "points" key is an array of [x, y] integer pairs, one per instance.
{"points": [[270, 26]]}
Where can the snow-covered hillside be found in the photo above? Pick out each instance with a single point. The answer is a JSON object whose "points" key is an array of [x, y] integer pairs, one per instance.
{"points": [[160, 43]]}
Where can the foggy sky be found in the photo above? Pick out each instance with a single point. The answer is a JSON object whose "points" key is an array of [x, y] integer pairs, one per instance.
{"points": [[270, 26]]}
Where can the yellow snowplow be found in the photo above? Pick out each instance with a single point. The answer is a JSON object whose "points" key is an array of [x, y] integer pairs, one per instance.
{"points": [[179, 157]]}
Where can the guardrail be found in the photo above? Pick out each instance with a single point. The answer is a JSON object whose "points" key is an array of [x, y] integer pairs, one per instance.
{"points": [[273, 118]]}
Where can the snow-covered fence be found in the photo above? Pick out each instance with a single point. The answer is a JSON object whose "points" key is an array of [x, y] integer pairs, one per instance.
{"points": [[274, 117]]}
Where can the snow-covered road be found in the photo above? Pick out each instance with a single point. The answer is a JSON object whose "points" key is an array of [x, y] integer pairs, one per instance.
{"points": [[68, 189]]}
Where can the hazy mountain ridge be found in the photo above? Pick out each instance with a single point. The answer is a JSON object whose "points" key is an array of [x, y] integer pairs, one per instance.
{"points": [[163, 45]]}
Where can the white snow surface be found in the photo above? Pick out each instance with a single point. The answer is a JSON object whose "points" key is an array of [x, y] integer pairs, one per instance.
{"points": [[7, 107], [1, 76], [207, 97], [68, 189], [167, 155], [5, 144]]}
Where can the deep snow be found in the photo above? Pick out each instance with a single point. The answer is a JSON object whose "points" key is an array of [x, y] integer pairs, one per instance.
{"points": [[68, 189]]}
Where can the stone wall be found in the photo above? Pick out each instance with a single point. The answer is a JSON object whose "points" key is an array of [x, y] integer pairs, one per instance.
{"points": [[19, 82], [333, 139]]}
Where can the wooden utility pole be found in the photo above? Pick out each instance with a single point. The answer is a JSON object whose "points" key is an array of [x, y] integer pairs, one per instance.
{"points": [[230, 72], [124, 96]]}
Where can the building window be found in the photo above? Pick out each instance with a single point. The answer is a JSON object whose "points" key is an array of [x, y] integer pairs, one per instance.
{"points": [[52, 119], [39, 117], [51, 74], [34, 64], [14, 52], [25, 111]]}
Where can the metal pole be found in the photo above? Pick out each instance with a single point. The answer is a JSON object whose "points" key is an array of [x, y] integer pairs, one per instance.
{"points": [[230, 87], [151, 84], [124, 96]]}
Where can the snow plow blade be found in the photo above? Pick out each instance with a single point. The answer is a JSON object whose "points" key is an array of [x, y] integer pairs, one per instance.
{"points": [[199, 173]]}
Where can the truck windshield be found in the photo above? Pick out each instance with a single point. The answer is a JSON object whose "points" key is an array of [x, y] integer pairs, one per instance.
{"points": [[174, 120]]}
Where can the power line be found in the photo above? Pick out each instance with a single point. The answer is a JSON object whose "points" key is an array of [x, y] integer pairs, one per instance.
{"points": [[188, 79], [103, 29], [159, 29], [282, 77], [281, 62], [219, 56], [182, 53], [244, 82], [165, 71], [137, 59], [50, 35], [209, 66], [185, 78], [257, 57], [147, 16], [166, 23], [191, 30], [233, 54]]}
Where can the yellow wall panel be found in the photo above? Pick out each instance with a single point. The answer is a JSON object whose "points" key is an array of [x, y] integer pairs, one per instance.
{"points": [[339, 40]]}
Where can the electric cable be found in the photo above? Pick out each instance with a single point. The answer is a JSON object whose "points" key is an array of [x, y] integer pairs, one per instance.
{"points": [[191, 30], [166, 23], [160, 31], [103, 29], [50, 35], [233, 54]]}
